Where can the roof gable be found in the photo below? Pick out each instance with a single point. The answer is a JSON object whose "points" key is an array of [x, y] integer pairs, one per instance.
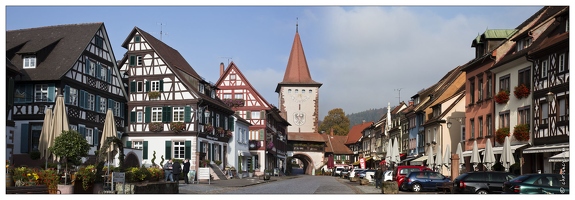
{"points": [[232, 67], [57, 48], [355, 132]]}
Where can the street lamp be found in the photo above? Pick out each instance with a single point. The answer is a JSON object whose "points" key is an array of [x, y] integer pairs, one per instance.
{"points": [[449, 124], [550, 96]]}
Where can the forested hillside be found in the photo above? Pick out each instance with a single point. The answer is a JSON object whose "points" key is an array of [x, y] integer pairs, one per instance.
{"points": [[369, 115]]}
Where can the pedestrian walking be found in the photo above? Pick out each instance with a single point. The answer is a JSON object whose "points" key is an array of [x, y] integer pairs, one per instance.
{"points": [[176, 170], [186, 170], [378, 177], [168, 171]]}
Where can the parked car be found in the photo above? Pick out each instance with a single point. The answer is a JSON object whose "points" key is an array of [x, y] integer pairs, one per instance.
{"points": [[344, 173], [537, 184], [354, 172], [337, 171], [418, 181], [365, 173], [401, 171], [388, 175], [489, 182]]}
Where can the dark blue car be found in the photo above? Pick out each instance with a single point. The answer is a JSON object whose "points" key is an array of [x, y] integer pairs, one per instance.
{"points": [[424, 180]]}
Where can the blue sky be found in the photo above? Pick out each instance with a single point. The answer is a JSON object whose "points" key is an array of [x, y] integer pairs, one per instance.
{"points": [[362, 55]]}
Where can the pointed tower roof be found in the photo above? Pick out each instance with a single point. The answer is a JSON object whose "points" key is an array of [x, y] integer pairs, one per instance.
{"points": [[297, 71]]}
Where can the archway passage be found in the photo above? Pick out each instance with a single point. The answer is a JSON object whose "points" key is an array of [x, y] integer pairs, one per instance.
{"points": [[307, 163], [131, 160]]}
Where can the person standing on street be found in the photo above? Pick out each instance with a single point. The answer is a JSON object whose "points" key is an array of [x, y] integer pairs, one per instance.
{"points": [[176, 170], [378, 177], [186, 170], [168, 171]]}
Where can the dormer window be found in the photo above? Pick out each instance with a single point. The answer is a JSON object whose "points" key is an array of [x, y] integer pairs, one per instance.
{"points": [[29, 61], [524, 43], [202, 88]]}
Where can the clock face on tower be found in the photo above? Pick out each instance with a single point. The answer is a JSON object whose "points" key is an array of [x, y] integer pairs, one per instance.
{"points": [[299, 118], [299, 98]]}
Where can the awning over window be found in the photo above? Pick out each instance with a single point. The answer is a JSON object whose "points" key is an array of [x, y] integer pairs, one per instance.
{"points": [[562, 157], [547, 148], [418, 161], [499, 150], [468, 153]]}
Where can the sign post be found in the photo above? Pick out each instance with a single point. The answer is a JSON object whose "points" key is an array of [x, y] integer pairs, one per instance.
{"points": [[119, 177]]}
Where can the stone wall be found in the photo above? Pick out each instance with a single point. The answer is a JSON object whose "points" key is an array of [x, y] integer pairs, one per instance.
{"points": [[149, 188]]}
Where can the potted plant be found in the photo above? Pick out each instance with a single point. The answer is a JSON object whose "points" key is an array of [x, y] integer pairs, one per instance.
{"points": [[521, 91], [500, 134], [50, 178], [268, 173], [86, 175], [208, 127], [521, 132], [177, 126], [502, 97], [220, 130], [156, 126], [205, 163], [70, 146], [251, 172], [218, 162], [153, 94]]}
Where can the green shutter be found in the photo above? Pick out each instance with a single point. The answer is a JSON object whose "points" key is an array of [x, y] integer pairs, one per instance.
{"points": [[133, 87], [51, 92], [168, 149], [24, 138], [87, 65], [210, 151], [29, 93], [261, 134], [248, 114], [122, 107], [231, 122], [111, 104], [132, 60], [161, 85], [147, 86], [67, 94], [188, 149], [262, 114], [82, 99], [95, 138], [109, 77], [148, 114], [99, 71], [82, 130], [187, 114], [166, 114], [97, 108], [145, 151], [128, 144], [200, 147], [133, 117]]}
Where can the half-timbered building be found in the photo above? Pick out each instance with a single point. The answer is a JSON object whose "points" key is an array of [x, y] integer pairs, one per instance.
{"points": [[74, 60], [268, 136], [173, 112], [550, 131]]}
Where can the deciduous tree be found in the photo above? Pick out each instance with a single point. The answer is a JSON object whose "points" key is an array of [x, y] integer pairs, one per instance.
{"points": [[337, 120]]}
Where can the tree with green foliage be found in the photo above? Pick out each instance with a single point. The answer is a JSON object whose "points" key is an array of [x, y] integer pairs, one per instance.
{"points": [[336, 120], [154, 159], [70, 147]]}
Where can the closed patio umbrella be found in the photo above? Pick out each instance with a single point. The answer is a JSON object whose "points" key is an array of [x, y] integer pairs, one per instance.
{"points": [[507, 158], [447, 158], [45, 136], [460, 154], [430, 160], [60, 122], [388, 153], [109, 131], [395, 150], [438, 160], [488, 156], [475, 155]]}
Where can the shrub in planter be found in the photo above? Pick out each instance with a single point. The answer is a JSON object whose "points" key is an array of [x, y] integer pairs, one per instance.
{"points": [[521, 132], [500, 134], [155, 173], [50, 178], [86, 175], [177, 126]]}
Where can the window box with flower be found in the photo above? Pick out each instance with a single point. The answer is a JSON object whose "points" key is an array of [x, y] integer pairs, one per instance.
{"points": [[521, 132], [229, 133], [156, 126], [208, 127], [153, 94], [500, 134], [521, 91], [502, 97], [220, 130], [234, 102], [177, 126]]}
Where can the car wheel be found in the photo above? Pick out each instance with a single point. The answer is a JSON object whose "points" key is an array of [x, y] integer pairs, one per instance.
{"points": [[482, 192], [403, 187], [416, 187]]}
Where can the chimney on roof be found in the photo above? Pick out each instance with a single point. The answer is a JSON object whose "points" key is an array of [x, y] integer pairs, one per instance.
{"points": [[331, 131], [363, 121], [221, 69], [411, 103]]}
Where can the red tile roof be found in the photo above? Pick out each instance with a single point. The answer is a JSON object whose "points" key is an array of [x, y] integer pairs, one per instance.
{"points": [[336, 144], [312, 137], [355, 132], [297, 71]]}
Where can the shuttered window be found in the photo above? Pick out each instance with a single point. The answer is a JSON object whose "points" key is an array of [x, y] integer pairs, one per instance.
{"points": [[24, 133], [145, 150], [168, 149]]}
